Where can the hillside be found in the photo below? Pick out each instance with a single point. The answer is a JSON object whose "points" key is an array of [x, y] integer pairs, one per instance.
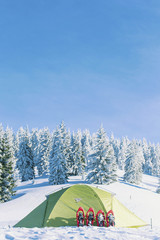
{"points": [[142, 200]]}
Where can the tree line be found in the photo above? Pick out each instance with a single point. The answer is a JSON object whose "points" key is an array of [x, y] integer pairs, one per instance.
{"points": [[59, 154]]}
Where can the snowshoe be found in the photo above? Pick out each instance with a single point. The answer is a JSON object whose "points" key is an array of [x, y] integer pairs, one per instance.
{"points": [[100, 218], [110, 219], [80, 217], [90, 217]]}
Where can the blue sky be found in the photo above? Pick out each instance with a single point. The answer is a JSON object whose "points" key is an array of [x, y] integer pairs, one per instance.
{"points": [[86, 62]]}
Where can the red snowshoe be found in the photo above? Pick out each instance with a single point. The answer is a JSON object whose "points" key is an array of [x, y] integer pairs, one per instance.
{"points": [[80, 217], [110, 219], [90, 217], [100, 218]]}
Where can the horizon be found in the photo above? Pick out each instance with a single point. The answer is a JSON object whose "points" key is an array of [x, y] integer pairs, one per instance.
{"points": [[108, 134]]}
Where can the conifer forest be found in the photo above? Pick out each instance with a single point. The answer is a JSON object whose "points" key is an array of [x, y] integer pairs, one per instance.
{"points": [[60, 153]]}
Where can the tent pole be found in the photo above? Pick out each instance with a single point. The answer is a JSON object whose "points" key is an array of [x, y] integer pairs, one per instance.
{"points": [[45, 211]]}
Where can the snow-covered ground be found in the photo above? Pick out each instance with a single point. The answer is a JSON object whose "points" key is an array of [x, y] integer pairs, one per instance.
{"points": [[142, 200], [68, 233]]}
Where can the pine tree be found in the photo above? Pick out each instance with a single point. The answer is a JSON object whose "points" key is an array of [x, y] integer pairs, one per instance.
{"points": [[57, 160], [122, 153], [102, 161], [1, 131], [155, 156], [25, 162], [1, 166], [86, 148], [158, 189], [116, 146], [147, 166], [141, 154], [17, 140], [65, 145], [78, 164], [7, 181], [93, 140], [34, 146], [43, 151], [71, 158], [133, 164], [12, 143]]}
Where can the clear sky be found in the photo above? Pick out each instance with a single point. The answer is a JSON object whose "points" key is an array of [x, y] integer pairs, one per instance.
{"points": [[86, 62]]}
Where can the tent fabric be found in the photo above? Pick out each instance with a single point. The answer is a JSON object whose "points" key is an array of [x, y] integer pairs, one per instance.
{"points": [[59, 209]]}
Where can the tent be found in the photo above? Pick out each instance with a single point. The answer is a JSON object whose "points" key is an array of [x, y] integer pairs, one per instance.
{"points": [[59, 208]]}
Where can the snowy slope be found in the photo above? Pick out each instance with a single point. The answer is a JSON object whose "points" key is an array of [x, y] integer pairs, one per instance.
{"points": [[142, 200]]}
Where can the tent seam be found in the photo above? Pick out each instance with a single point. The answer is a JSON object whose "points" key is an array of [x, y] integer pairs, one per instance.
{"points": [[98, 198], [45, 213]]}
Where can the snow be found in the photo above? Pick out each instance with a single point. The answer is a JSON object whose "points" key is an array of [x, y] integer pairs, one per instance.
{"points": [[75, 233], [142, 200]]}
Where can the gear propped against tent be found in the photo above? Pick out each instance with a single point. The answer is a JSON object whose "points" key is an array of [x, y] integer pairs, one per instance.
{"points": [[80, 217], [90, 217], [100, 217], [110, 219]]}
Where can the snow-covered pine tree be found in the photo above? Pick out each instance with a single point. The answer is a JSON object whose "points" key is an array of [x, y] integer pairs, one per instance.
{"points": [[116, 146], [93, 140], [78, 164], [86, 135], [7, 181], [86, 148], [34, 146], [1, 136], [147, 166], [158, 159], [66, 145], [141, 154], [17, 140], [18, 136], [71, 159], [155, 156], [1, 131], [57, 162], [102, 167], [113, 165], [13, 147], [43, 151], [158, 189], [133, 164], [25, 162], [122, 153]]}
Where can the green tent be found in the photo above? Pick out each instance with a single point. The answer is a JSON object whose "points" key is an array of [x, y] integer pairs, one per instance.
{"points": [[59, 209]]}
